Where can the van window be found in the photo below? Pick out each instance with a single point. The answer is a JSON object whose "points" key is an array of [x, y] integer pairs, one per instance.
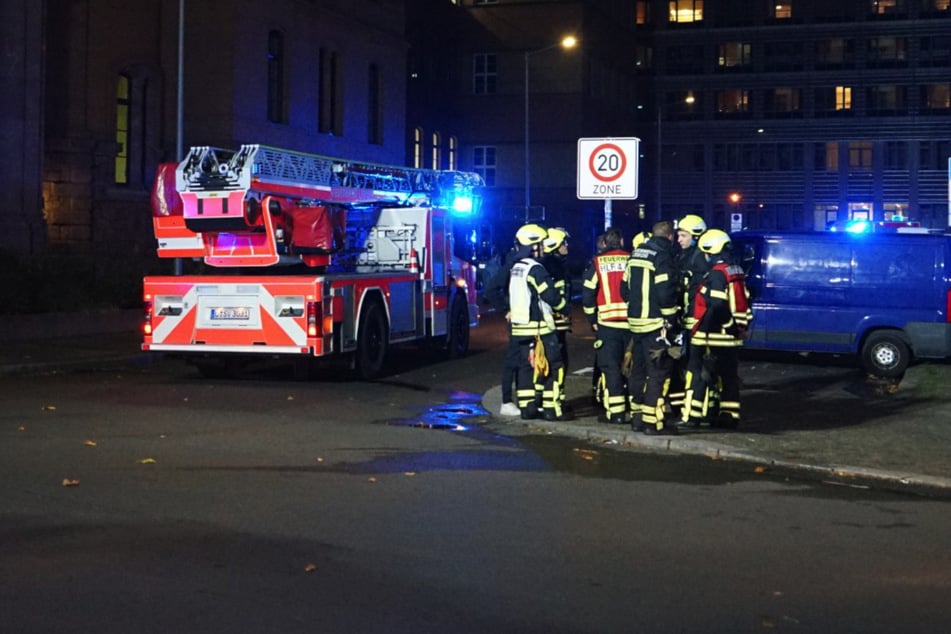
{"points": [[809, 264], [890, 265]]}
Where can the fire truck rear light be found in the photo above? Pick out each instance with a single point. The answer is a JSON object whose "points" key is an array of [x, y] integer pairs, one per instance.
{"points": [[147, 321], [314, 318], [328, 323]]}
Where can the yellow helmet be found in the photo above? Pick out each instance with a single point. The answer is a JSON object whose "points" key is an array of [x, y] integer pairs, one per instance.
{"points": [[692, 224], [527, 235], [640, 238], [556, 237], [713, 241]]}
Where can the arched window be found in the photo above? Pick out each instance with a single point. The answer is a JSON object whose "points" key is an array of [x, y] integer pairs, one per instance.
{"points": [[436, 151], [453, 153]]}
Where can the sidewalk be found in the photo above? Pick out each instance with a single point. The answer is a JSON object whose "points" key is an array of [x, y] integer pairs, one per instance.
{"points": [[821, 419]]}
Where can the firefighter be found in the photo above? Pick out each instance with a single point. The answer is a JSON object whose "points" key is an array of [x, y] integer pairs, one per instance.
{"points": [[606, 312], [497, 293], [533, 300], [650, 290], [597, 381], [556, 250], [691, 266], [634, 368], [722, 313]]}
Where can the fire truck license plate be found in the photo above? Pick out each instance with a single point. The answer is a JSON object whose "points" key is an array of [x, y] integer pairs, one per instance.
{"points": [[231, 313]]}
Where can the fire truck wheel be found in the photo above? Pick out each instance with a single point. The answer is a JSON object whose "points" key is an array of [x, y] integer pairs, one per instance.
{"points": [[885, 354], [372, 342], [457, 340]]}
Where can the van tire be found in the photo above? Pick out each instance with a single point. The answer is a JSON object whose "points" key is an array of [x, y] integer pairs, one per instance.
{"points": [[457, 339], [885, 354]]}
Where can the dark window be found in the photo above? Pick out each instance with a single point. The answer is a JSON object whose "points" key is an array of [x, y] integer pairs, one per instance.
{"points": [[835, 53], [887, 52], [374, 106], [685, 59], [782, 102], [935, 51], [833, 101], [896, 155], [276, 110], [886, 100], [782, 56], [484, 74], [330, 81]]}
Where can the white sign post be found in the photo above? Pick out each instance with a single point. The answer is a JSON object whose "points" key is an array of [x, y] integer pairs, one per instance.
{"points": [[607, 169]]}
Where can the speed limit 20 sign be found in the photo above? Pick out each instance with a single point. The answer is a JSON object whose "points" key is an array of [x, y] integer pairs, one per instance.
{"points": [[607, 168]]}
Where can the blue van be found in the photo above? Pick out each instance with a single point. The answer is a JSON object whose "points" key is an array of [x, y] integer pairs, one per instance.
{"points": [[884, 296]]}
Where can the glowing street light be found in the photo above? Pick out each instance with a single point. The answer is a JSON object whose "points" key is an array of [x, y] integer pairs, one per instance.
{"points": [[567, 42]]}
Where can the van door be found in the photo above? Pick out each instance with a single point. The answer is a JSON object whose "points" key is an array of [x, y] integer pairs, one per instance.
{"points": [[748, 251], [806, 288]]}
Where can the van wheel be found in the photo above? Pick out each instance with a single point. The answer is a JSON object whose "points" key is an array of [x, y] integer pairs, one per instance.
{"points": [[885, 354], [372, 342], [457, 341]]}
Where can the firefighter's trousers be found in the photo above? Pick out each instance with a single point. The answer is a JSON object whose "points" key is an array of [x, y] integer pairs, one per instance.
{"points": [[611, 344], [545, 393], [713, 384], [658, 365]]}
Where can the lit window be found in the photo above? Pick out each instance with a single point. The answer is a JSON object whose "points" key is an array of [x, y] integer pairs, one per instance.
{"points": [[734, 101], [843, 98], [936, 96], [122, 130], [782, 10], [733, 54], [417, 147], [685, 11], [483, 163], [642, 12], [453, 153]]}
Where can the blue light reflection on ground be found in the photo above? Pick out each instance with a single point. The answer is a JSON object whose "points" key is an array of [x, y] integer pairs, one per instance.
{"points": [[496, 453]]}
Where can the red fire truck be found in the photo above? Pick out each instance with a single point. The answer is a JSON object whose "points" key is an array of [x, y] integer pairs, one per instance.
{"points": [[308, 256]]}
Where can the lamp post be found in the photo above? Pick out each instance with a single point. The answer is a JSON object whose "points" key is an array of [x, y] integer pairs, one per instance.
{"points": [[566, 42], [689, 100]]}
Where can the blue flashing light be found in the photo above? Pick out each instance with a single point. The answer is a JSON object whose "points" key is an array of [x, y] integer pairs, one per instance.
{"points": [[462, 205], [858, 226]]}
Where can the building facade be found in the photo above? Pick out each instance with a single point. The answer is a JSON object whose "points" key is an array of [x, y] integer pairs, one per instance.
{"points": [[92, 105], [796, 114], [493, 78]]}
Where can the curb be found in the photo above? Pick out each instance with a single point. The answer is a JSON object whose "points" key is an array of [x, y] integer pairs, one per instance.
{"points": [[841, 474]]}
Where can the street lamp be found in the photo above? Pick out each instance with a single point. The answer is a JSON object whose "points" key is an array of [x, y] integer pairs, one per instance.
{"points": [[688, 100], [566, 42]]}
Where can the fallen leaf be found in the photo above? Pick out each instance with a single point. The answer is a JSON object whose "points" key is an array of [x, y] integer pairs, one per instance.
{"points": [[319, 459], [759, 469], [70, 483], [90, 443], [371, 480], [49, 408], [147, 461], [310, 568], [290, 398], [409, 473], [21, 428]]}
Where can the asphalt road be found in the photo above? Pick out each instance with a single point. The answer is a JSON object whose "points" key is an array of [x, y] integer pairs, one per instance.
{"points": [[145, 498]]}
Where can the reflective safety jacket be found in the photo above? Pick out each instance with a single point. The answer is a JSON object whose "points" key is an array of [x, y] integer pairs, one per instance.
{"points": [[692, 265], [601, 294], [532, 299], [555, 265], [722, 307], [650, 285]]}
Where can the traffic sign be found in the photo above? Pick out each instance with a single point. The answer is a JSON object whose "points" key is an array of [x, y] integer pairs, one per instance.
{"points": [[607, 168]]}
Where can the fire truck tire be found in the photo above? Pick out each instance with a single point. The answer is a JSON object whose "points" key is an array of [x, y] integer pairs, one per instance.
{"points": [[372, 342], [457, 339], [885, 354]]}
